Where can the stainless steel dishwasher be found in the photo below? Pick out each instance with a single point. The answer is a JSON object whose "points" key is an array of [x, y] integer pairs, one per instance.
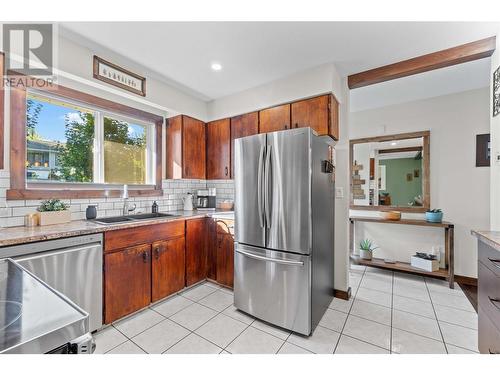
{"points": [[72, 266]]}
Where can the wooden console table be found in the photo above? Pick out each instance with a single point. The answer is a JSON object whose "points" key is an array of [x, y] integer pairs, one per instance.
{"points": [[443, 273]]}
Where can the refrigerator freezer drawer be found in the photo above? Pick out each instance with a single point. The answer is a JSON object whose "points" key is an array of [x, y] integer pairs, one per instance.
{"points": [[273, 286]]}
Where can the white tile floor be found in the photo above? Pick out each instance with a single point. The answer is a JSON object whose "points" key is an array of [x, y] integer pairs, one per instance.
{"points": [[388, 313]]}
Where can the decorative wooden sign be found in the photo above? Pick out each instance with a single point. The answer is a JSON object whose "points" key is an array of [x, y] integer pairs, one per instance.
{"points": [[119, 77]]}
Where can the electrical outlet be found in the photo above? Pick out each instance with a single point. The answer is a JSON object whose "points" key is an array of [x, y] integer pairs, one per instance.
{"points": [[339, 192]]}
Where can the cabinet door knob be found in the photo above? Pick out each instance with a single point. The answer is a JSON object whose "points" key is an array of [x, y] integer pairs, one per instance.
{"points": [[286, 126], [226, 170], [145, 256], [296, 125], [157, 252]]}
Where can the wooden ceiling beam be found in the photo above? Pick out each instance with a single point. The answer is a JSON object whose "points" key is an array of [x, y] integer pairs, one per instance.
{"points": [[436, 60]]}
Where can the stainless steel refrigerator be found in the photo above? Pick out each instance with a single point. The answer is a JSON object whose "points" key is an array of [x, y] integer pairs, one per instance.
{"points": [[284, 228]]}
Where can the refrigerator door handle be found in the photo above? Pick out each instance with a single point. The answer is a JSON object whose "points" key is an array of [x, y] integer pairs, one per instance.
{"points": [[259, 186], [274, 260], [267, 171]]}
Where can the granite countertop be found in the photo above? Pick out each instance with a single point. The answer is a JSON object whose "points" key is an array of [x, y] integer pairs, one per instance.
{"points": [[492, 238], [20, 235]]}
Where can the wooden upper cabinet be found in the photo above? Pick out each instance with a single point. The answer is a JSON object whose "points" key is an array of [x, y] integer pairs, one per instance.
{"points": [[168, 268], [312, 113], [219, 149], [196, 250], [193, 148], [319, 113], [334, 118], [186, 147], [127, 281], [243, 126], [174, 148], [274, 119]]}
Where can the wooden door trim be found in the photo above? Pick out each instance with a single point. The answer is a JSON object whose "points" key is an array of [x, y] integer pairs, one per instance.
{"points": [[476, 50]]}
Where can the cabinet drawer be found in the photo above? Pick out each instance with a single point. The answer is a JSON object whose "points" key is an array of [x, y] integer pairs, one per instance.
{"points": [[489, 335], [489, 257], [121, 238], [489, 293]]}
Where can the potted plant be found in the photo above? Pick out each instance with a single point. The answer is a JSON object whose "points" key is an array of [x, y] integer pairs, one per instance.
{"points": [[434, 216], [366, 249], [53, 211]]}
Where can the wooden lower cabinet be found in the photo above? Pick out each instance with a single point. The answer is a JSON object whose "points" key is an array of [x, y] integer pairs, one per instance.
{"points": [[212, 250], [488, 298], [225, 252], [168, 268], [196, 250], [225, 260], [127, 281]]}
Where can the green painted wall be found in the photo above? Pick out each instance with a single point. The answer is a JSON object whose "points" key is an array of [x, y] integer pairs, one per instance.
{"points": [[400, 190]]}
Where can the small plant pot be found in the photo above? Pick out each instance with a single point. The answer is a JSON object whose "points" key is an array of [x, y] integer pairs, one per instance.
{"points": [[434, 217], [365, 254]]}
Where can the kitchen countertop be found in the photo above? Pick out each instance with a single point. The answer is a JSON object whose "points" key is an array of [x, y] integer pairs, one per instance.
{"points": [[491, 238], [20, 235]]}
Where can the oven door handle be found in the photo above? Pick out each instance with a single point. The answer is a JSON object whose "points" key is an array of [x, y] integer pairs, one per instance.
{"points": [[274, 260]]}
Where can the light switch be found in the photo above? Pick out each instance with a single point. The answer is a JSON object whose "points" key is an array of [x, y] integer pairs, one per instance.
{"points": [[339, 192]]}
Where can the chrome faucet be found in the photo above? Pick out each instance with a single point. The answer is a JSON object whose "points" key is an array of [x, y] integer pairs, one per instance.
{"points": [[126, 205]]}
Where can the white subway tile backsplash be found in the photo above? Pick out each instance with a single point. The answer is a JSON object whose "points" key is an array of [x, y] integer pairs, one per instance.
{"points": [[14, 221], [12, 211], [21, 211]]}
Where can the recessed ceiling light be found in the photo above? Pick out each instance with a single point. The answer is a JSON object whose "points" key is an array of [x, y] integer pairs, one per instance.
{"points": [[394, 143], [216, 66]]}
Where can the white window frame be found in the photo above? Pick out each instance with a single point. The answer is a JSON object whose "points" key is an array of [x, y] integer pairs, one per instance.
{"points": [[98, 146]]}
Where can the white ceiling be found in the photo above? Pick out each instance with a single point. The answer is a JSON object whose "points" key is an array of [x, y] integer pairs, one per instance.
{"points": [[254, 53]]}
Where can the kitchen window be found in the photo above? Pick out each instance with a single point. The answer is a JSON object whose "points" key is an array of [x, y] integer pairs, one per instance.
{"points": [[71, 143]]}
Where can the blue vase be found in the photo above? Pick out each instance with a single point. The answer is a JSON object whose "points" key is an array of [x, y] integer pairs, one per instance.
{"points": [[434, 217]]}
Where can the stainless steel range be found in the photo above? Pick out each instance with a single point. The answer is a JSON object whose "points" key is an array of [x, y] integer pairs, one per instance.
{"points": [[284, 212]]}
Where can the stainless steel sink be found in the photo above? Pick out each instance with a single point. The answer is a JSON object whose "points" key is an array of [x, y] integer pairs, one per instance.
{"points": [[137, 217]]}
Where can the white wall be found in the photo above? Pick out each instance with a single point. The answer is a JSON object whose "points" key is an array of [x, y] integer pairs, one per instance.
{"points": [[75, 60], [495, 149], [342, 184], [457, 187], [310, 82]]}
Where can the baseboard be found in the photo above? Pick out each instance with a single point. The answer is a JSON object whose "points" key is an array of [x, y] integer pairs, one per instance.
{"points": [[466, 280], [342, 294]]}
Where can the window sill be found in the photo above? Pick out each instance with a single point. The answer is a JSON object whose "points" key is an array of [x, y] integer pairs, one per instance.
{"points": [[21, 194]]}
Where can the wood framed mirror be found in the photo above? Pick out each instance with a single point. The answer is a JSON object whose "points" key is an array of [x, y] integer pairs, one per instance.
{"points": [[390, 172]]}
